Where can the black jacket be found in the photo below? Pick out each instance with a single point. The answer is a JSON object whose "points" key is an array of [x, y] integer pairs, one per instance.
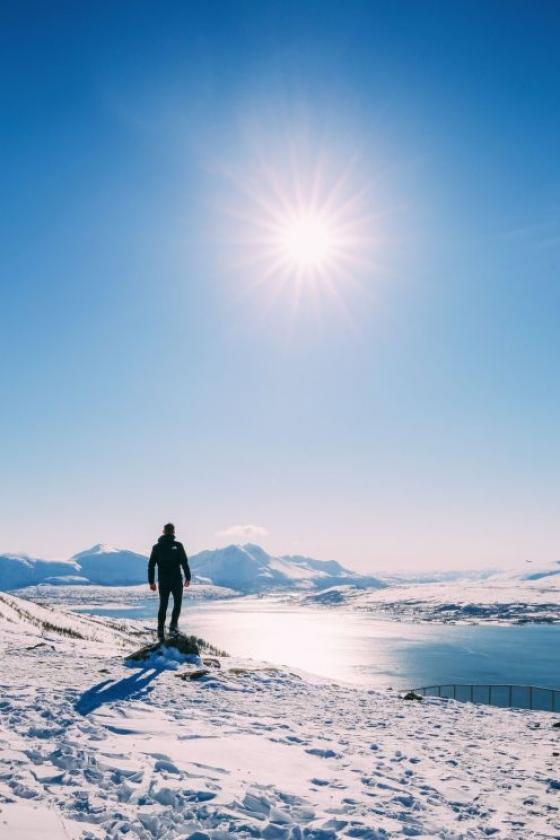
{"points": [[169, 556]]}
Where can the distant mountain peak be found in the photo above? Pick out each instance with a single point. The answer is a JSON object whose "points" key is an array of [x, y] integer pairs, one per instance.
{"points": [[99, 548], [249, 568], [253, 548]]}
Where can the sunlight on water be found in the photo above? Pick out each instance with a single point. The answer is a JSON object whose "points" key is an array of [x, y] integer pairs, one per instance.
{"points": [[306, 639], [343, 645]]}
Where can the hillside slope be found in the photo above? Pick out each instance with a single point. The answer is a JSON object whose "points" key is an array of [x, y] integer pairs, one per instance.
{"points": [[26, 620]]}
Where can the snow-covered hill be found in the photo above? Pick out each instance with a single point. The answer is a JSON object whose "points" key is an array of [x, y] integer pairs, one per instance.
{"points": [[29, 622], [545, 573], [247, 569], [93, 747]]}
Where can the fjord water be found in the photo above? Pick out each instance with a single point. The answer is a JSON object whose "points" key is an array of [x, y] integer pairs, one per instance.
{"points": [[345, 645]]}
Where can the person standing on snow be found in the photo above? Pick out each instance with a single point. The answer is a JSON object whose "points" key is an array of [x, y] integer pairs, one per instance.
{"points": [[170, 557]]}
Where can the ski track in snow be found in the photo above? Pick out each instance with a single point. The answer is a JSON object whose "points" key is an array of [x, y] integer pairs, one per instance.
{"points": [[91, 747]]}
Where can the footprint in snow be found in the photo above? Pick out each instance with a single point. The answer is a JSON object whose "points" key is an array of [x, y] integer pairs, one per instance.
{"points": [[323, 753], [165, 765]]}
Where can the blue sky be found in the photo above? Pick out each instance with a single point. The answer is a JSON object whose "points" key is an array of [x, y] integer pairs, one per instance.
{"points": [[404, 416]]}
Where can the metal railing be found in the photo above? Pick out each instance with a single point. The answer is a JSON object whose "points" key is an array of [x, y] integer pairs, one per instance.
{"points": [[505, 696]]}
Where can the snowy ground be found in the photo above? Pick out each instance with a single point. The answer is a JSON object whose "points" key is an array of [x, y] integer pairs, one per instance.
{"points": [[499, 600], [116, 597], [94, 748]]}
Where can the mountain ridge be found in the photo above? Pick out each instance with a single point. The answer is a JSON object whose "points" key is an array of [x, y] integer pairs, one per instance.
{"points": [[248, 569]]}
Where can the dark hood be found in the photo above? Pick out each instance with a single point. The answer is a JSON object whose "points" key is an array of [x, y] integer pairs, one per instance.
{"points": [[166, 538]]}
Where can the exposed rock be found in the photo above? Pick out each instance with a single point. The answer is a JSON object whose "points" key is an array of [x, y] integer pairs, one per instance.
{"points": [[188, 645], [211, 661], [194, 674]]}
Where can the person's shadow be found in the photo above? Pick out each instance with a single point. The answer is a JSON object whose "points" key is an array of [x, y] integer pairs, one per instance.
{"points": [[137, 686]]}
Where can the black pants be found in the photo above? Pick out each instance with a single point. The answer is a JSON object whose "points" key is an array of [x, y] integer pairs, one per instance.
{"points": [[166, 588]]}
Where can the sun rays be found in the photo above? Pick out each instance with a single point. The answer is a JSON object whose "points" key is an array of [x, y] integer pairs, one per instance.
{"points": [[304, 231]]}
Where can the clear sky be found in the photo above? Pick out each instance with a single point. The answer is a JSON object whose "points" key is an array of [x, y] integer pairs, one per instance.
{"points": [[398, 407]]}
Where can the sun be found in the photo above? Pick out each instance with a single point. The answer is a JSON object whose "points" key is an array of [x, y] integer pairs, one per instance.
{"points": [[302, 229], [307, 241]]}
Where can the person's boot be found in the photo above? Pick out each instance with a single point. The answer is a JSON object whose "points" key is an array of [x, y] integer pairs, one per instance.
{"points": [[161, 634], [173, 629]]}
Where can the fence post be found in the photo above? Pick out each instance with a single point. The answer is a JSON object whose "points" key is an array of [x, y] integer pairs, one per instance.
{"points": [[472, 693], [510, 692], [454, 691], [530, 696]]}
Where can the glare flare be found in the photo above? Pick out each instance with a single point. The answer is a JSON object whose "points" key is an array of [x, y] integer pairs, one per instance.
{"points": [[307, 242]]}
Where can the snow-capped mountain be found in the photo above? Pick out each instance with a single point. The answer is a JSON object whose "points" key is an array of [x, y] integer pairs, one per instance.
{"points": [[18, 570], [247, 569], [101, 564], [104, 564]]}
